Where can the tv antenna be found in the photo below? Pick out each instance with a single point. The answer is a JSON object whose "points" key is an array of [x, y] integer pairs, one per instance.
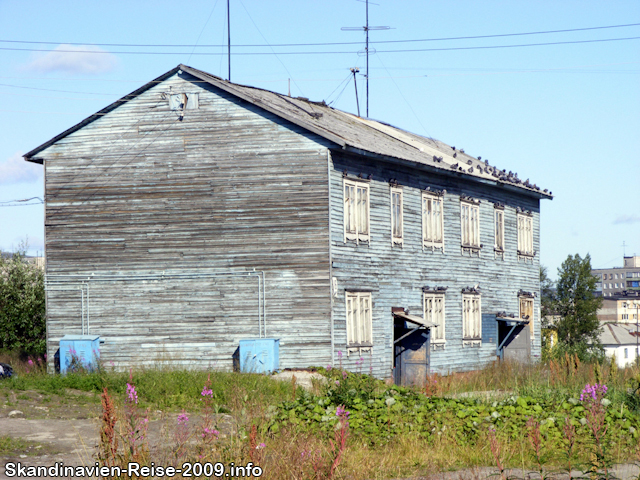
{"points": [[366, 29]]}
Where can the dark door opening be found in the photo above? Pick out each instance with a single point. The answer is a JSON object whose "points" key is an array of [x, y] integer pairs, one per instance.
{"points": [[411, 349]]}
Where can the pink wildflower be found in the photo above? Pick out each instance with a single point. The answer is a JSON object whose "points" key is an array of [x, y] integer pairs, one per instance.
{"points": [[342, 412], [131, 393], [260, 446], [210, 432], [206, 391], [183, 419], [344, 375], [30, 362]]}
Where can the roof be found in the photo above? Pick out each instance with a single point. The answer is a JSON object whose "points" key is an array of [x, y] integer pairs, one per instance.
{"points": [[615, 334], [414, 319], [351, 133]]}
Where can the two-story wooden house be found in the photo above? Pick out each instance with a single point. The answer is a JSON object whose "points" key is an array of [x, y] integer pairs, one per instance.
{"points": [[194, 213]]}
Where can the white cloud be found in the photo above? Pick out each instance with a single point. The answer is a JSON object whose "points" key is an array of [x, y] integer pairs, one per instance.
{"points": [[17, 170], [623, 219], [74, 59]]}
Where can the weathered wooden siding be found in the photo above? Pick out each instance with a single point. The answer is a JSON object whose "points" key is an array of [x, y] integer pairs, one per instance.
{"points": [[397, 274], [229, 188]]}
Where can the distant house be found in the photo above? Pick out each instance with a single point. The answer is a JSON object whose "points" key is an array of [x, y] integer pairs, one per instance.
{"points": [[620, 308], [195, 213], [620, 341]]}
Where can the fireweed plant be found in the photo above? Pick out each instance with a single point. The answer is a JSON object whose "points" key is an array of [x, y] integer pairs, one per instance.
{"points": [[355, 420]]}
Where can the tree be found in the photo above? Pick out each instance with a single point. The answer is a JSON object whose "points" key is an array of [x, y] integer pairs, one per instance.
{"points": [[22, 305], [578, 327], [547, 294]]}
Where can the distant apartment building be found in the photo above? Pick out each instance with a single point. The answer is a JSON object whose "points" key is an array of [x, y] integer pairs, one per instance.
{"points": [[620, 308], [615, 281]]}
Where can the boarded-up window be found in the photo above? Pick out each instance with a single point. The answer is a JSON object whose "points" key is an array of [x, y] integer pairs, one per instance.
{"points": [[499, 229], [471, 317], [356, 211], [525, 235], [432, 221], [470, 222], [396, 215], [184, 101], [434, 313], [359, 319], [526, 312]]}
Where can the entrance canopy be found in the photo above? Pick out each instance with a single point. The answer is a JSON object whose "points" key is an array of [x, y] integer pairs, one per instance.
{"points": [[419, 321]]}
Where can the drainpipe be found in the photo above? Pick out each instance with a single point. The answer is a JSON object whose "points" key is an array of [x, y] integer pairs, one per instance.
{"points": [[333, 357]]}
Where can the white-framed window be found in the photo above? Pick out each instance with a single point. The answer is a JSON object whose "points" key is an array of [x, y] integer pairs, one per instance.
{"points": [[359, 332], [396, 215], [626, 353], [525, 235], [616, 285], [470, 224], [432, 221], [471, 317], [526, 312], [499, 229], [625, 316], [616, 276], [434, 313], [356, 211]]}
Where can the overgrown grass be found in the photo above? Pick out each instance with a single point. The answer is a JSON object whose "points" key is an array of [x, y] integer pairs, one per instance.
{"points": [[392, 432], [170, 390]]}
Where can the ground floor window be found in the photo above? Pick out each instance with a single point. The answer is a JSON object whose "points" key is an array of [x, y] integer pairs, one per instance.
{"points": [[359, 332], [471, 317]]}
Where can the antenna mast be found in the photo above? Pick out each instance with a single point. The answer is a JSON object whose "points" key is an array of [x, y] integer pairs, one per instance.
{"points": [[355, 84], [366, 29]]}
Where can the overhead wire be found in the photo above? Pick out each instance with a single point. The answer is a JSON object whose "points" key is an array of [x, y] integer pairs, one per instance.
{"points": [[111, 145], [201, 31], [273, 52], [263, 37], [113, 175], [405, 100], [437, 39]]}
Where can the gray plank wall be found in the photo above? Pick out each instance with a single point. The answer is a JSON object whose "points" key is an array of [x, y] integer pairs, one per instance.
{"points": [[396, 274], [229, 188]]}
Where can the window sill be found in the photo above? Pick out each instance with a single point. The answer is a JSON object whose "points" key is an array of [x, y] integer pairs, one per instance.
{"points": [[471, 249]]}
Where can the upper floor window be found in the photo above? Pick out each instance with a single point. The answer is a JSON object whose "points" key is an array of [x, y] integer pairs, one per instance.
{"points": [[396, 215], [359, 319], [525, 235], [434, 313], [499, 229], [356, 211], [526, 311], [432, 221], [471, 317], [470, 220]]}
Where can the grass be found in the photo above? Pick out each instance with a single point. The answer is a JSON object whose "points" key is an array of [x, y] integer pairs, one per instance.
{"points": [[19, 446], [419, 432]]}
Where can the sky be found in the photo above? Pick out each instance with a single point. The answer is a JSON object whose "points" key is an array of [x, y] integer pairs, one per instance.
{"points": [[565, 115]]}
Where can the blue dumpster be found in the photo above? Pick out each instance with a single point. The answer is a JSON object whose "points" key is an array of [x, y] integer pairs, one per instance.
{"points": [[79, 352], [259, 355]]}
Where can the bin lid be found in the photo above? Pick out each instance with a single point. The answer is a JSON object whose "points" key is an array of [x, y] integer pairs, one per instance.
{"points": [[71, 338]]}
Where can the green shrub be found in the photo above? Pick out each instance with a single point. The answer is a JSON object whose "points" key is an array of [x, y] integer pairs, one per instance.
{"points": [[22, 306]]}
